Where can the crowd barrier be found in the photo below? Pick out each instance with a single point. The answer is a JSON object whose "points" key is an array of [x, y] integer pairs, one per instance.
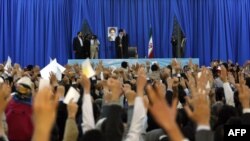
{"points": [[117, 62]]}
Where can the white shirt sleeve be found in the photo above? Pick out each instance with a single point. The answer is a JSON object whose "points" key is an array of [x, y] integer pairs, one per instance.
{"points": [[80, 41], [92, 42], [138, 121], [88, 122], [186, 91], [229, 94], [246, 110], [203, 127]]}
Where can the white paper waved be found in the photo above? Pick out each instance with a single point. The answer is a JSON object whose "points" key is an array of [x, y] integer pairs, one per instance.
{"points": [[87, 69], [45, 72], [102, 76], [113, 68], [8, 64], [43, 83], [50, 60], [53, 67], [72, 94], [61, 68], [199, 75], [208, 86]]}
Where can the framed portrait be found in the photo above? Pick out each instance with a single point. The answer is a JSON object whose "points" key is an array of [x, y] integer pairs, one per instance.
{"points": [[112, 33]]}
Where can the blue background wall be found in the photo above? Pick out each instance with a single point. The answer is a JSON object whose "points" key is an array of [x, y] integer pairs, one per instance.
{"points": [[31, 31]]}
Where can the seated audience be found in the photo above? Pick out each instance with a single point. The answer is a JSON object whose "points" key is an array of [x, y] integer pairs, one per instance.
{"points": [[131, 103]]}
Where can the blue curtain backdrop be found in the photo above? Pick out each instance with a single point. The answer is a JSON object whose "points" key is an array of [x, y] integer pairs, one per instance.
{"points": [[135, 16], [34, 30], [31, 31], [215, 29]]}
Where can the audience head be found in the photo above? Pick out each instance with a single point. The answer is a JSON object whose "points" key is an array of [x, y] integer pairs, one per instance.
{"points": [[225, 65], [29, 68], [154, 67], [105, 130], [79, 34], [24, 86], [124, 65], [92, 37], [120, 32], [1, 68]]}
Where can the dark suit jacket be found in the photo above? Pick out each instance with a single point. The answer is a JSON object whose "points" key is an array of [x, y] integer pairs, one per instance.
{"points": [[86, 46], [125, 43], [245, 119], [152, 125], [154, 135], [62, 115], [124, 52], [204, 135], [78, 49], [112, 126]]}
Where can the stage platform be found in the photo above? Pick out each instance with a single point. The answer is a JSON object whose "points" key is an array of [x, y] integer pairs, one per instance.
{"points": [[117, 62]]}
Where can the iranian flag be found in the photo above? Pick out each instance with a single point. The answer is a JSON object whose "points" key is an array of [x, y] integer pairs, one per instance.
{"points": [[150, 45]]}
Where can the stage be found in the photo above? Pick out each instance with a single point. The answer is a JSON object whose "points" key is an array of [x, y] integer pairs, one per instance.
{"points": [[117, 62]]}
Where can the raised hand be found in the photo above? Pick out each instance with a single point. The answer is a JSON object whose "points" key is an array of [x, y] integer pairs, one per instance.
{"points": [[199, 101], [198, 83], [190, 63], [201, 109], [44, 113], [170, 83], [165, 73], [244, 92], [164, 114], [53, 79], [72, 108], [115, 87], [130, 95], [4, 96], [107, 97], [126, 87], [141, 81], [85, 83], [60, 91], [160, 88]]}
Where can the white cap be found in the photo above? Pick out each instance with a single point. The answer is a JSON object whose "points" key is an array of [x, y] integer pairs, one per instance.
{"points": [[1, 80], [25, 81]]}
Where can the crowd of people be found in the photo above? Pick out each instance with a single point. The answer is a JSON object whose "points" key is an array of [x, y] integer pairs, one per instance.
{"points": [[136, 102]]}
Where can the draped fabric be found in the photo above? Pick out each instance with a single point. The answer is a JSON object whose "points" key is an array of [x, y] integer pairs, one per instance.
{"points": [[31, 31], [215, 29]]}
